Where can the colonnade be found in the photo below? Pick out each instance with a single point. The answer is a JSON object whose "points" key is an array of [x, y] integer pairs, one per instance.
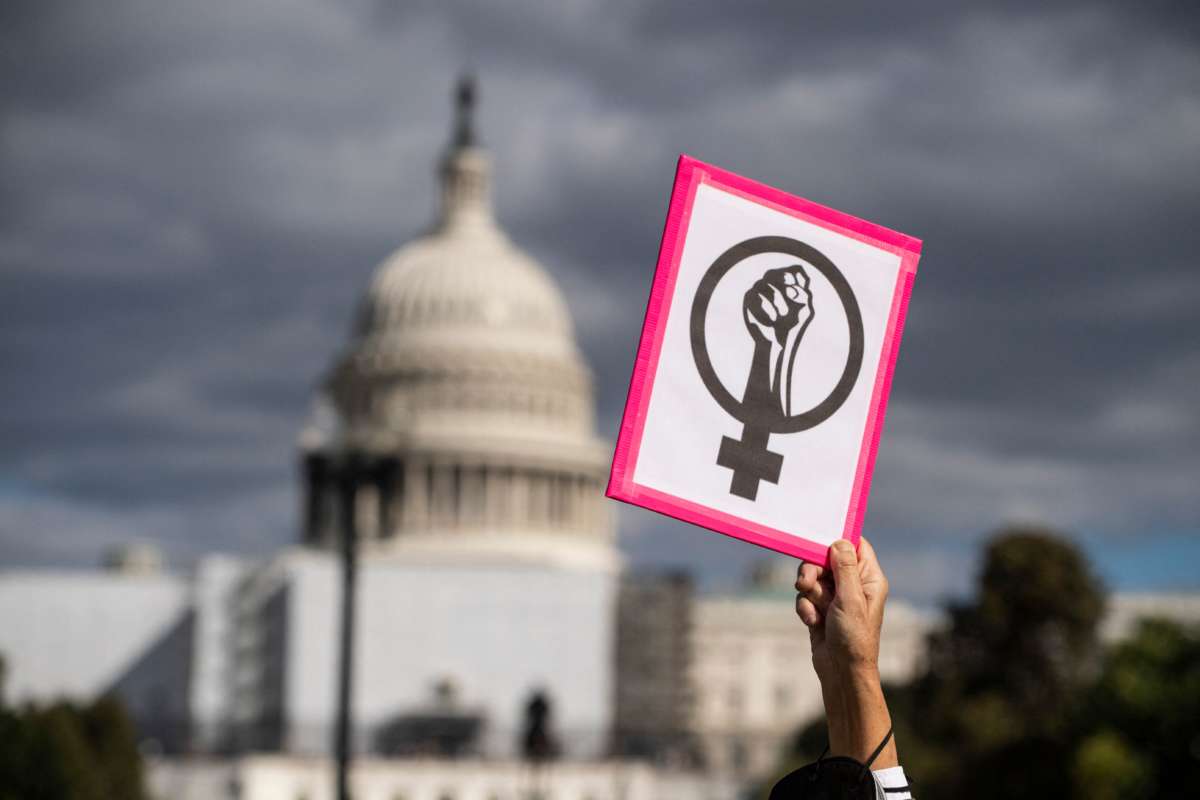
{"points": [[428, 493]]}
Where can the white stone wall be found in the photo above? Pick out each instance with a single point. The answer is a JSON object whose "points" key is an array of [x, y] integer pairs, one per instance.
{"points": [[753, 680], [290, 778], [77, 633], [496, 630], [1125, 610], [214, 586]]}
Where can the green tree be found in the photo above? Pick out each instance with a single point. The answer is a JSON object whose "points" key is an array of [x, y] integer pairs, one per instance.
{"points": [[61, 763], [113, 740], [1107, 767], [1005, 677], [1143, 715], [1028, 640], [66, 752]]}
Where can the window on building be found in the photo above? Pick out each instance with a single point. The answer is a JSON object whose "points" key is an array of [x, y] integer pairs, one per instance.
{"points": [[737, 754]]}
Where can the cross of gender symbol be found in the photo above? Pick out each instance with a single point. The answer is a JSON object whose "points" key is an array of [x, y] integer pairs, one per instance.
{"points": [[776, 310]]}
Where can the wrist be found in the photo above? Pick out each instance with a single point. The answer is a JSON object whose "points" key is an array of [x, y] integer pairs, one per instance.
{"points": [[858, 716], [850, 674], [861, 675]]}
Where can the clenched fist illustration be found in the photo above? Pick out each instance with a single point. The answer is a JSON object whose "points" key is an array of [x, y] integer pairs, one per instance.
{"points": [[777, 309]]}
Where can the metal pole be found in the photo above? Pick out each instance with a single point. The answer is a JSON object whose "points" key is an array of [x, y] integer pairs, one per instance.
{"points": [[347, 490]]}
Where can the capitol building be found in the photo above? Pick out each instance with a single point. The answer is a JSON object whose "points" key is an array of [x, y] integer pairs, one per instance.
{"points": [[489, 580], [490, 568]]}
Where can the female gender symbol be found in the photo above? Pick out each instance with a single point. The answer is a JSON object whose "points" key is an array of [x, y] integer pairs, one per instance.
{"points": [[749, 457]]}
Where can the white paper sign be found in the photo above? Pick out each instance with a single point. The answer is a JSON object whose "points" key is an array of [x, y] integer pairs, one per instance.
{"points": [[763, 371]]}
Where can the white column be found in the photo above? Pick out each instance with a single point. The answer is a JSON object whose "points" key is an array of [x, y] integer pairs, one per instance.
{"points": [[416, 512], [537, 500], [506, 506], [474, 495], [591, 506], [579, 509], [518, 494], [563, 487], [442, 512], [553, 501]]}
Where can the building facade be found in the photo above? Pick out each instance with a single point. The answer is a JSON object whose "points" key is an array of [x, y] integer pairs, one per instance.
{"points": [[653, 703]]}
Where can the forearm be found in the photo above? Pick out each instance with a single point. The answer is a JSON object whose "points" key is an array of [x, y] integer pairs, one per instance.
{"points": [[858, 716]]}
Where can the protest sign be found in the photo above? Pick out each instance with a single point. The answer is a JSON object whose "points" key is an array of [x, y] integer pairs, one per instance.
{"points": [[766, 357]]}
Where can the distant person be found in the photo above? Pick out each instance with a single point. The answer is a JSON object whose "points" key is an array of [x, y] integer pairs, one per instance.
{"points": [[539, 743], [843, 609]]}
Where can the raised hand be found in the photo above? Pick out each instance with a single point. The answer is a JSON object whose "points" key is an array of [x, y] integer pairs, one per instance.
{"points": [[842, 606], [777, 310]]}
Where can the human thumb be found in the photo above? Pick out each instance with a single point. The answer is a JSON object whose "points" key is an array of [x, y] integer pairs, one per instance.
{"points": [[844, 561]]}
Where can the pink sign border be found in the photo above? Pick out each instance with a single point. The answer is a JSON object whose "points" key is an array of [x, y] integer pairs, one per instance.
{"points": [[689, 176]]}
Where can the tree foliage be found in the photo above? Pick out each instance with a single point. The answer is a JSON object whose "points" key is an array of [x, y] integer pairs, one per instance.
{"points": [[1144, 714], [69, 752]]}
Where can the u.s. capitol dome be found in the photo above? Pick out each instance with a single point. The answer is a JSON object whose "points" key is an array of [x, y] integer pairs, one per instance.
{"points": [[462, 380]]}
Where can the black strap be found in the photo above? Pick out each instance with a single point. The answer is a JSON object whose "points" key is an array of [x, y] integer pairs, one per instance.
{"points": [[878, 750], [865, 767], [816, 772]]}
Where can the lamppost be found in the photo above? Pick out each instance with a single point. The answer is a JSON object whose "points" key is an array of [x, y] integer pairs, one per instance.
{"points": [[347, 472], [348, 468]]}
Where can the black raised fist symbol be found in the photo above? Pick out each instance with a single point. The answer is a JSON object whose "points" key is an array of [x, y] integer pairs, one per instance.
{"points": [[777, 310]]}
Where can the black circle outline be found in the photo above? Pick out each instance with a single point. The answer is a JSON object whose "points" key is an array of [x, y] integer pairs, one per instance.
{"points": [[778, 244]]}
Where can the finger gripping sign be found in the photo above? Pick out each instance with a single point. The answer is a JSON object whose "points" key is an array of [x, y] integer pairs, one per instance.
{"points": [[762, 375]]}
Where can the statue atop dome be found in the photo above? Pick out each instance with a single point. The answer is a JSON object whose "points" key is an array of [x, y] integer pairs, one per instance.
{"points": [[466, 170], [464, 125]]}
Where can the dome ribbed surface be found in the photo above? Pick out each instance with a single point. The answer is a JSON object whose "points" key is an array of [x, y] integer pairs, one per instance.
{"points": [[462, 319], [458, 281]]}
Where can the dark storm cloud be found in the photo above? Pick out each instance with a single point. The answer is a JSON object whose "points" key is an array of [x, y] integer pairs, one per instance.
{"points": [[193, 199]]}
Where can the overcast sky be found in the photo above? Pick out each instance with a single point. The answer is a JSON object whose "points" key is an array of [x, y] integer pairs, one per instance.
{"points": [[193, 198]]}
